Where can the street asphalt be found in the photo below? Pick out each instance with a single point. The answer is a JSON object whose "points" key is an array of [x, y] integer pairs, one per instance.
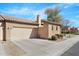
{"points": [[73, 51]]}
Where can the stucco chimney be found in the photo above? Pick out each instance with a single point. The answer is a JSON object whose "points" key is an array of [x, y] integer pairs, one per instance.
{"points": [[39, 20]]}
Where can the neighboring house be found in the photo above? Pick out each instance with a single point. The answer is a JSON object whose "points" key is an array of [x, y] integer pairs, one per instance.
{"points": [[74, 30], [12, 28], [69, 30], [65, 29]]}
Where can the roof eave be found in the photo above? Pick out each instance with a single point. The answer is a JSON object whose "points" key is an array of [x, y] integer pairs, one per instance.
{"points": [[51, 22]]}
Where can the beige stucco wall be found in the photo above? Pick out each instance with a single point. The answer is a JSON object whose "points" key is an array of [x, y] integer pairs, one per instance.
{"points": [[43, 31], [53, 31], [20, 30], [1, 31], [16, 30], [46, 31]]}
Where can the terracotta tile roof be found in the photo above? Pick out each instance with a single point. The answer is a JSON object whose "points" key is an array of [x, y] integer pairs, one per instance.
{"points": [[55, 23], [14, 19]]}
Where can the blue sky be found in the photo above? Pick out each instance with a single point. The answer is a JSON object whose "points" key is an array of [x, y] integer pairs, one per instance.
{"points": [[30, 10]]}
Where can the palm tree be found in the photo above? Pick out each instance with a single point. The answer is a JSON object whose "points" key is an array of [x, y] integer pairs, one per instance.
{"points": [[54, 15]]}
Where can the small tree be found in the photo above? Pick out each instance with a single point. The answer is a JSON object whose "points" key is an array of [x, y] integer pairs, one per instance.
{"points": [[66, 23], [54, 15], [74, 30], [66, 26]]}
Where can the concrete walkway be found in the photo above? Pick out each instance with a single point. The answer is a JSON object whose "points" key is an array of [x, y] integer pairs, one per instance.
{"points": [[36, 47]]}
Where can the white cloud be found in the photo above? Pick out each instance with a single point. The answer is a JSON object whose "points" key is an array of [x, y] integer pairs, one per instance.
{"points": [[75, 22], [77, 16], [66, 7], [26, 11], [22, 11]]}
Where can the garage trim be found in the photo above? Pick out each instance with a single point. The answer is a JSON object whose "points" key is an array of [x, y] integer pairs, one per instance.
{"points": [[22, 27]]}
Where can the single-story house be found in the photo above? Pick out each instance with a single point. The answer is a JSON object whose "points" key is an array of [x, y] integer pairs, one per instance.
{"points": [[12, 28]]}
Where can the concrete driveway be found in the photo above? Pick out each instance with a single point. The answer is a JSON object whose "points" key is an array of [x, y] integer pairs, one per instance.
{"points": [[39, 47], [36, 47]]}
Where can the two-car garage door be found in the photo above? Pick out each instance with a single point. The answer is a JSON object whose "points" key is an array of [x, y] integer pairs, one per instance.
{"points": [[21, 33]]}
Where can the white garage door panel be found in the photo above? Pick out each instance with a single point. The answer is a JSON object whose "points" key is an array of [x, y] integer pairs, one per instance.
{"points": [[20, 33]]}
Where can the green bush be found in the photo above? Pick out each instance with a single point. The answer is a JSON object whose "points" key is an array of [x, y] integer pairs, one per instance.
{"points": [[53, 38], [59, 35]]}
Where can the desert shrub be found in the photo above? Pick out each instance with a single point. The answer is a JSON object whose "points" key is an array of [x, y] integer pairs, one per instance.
{"points": [[53, 38], [49, 38], [59, 35]]}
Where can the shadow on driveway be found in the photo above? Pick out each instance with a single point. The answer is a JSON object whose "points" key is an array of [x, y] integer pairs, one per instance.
{"points": [[11, 49]]}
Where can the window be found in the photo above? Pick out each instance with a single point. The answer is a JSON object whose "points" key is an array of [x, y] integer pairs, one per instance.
{"points": [[56, 27], [52, 27]]}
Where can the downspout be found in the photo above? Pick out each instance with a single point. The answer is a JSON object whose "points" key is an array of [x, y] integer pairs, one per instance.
{"points": [[4, 28]]}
